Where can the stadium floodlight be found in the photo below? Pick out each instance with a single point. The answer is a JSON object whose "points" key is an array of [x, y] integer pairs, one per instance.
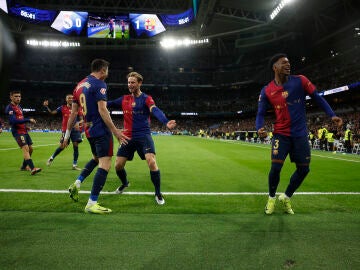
{"points": [[170, 43], [51, 43], [279, 7]]}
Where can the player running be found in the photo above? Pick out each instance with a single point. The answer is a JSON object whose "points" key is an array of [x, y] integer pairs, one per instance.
{"points": [[286, 95], [75, 134], [20, 131]]}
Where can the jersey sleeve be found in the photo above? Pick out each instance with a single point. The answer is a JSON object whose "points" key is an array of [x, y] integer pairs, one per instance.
{"points": [[59, 109], [149, 102], [101, 92], [116, 103], [12, 117], [263, 104], [307, 85]]}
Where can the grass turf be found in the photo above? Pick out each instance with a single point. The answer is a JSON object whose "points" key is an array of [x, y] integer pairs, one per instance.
{"points": [[45, 230]]}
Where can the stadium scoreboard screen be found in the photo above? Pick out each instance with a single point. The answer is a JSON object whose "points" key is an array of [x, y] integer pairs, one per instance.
{"points": [[99, 25]]}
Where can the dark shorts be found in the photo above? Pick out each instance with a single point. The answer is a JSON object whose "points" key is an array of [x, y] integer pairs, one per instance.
{"points": [[23, 139], [75, 136], [102, 146], [298, 148], [142, 146]]}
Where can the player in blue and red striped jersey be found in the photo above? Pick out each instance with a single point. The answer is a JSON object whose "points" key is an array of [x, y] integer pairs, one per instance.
{"points": [[20, 130], [90, 96], [137, 107], [286, 95], [75, 134]]}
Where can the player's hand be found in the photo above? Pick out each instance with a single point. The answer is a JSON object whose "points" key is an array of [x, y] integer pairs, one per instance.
{"points": [[337, 120], [171, 124], [65, 143], [120, 136], [32, 120], [46, 103], [0, 130], [262, 133]]}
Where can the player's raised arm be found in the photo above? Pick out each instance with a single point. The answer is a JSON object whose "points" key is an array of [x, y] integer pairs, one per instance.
{"points": [[46, 105]]}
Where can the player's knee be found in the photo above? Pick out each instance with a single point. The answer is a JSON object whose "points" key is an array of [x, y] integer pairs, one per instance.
{"points": [[152, 164], [119, 166], [276, 167], [303, 170]]}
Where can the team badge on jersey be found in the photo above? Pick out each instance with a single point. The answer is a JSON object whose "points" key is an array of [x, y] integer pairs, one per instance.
{"points": [[285, 94], [103, 91], [133, 104]]}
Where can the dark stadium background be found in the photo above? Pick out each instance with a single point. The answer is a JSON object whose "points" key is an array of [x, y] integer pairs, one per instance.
{"points": [[216, 80]]}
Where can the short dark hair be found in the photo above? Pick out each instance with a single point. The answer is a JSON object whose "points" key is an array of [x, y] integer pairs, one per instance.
{"points": [[275, 58], [98, 64]]}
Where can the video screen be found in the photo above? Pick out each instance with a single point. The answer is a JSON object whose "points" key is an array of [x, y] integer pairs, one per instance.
{"points": [[108, 26], [72, 23], [31, 15], [181, 19], [3, 5], [146, 25]]}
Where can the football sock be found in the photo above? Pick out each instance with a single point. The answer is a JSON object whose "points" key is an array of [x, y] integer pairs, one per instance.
{"points": [[296, 179], [122, 176], [57, 151], [99, 181], [89, 167], [155, 178], [30, 163], [24, 164], [91, 202], [77, 183], [274, 178], [76, 154]]}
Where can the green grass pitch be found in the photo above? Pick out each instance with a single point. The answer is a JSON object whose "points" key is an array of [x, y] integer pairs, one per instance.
{"points": [[215, 194]]}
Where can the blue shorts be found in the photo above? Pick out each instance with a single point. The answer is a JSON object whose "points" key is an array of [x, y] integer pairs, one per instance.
{"points": [[102, 146], [298, 148], [142, 146], [23, 139], [75, 136]]}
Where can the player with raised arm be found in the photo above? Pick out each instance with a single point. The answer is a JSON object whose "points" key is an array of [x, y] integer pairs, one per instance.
{"points": [[137, 107], [286, 95], [75, 134], [90, 96], [20, 131]]}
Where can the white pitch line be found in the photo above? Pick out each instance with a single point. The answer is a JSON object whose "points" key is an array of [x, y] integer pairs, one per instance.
{"points": [[36, 146], [177, 193]]}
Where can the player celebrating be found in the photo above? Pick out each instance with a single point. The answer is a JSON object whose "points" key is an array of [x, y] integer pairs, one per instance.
{"points": [[20, 131], [75, 134], [137, 108], [90, 97], [286, 95]]}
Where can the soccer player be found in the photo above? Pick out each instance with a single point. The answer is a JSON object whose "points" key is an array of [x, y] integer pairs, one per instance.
{"points": [[286, 95], [20, 131], [1, 125], [123, 29], [90, 96], [111, 28], [137, 107], [75, 134]]}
